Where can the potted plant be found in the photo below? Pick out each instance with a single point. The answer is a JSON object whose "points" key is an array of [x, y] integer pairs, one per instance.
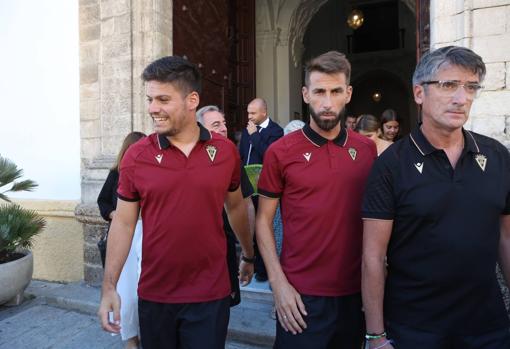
{"points": [[18, 227]]}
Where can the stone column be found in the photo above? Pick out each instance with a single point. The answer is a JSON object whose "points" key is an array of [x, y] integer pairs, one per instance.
{"points": [[117, 40]]}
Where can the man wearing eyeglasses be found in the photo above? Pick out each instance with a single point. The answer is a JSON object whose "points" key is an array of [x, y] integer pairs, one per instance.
{"points": [[437, 205]]}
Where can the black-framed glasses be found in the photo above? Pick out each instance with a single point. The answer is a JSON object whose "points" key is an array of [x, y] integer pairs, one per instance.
{"points": [[449, 87]]}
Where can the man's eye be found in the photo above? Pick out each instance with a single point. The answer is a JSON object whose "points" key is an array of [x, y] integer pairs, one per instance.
{"points": [[472, 87], [450, 85]]}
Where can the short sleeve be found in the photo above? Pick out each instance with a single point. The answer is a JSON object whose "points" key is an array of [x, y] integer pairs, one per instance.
{"points": [[235, 179], [506, 180], [271, 178], [127, 187], [379, 198]]}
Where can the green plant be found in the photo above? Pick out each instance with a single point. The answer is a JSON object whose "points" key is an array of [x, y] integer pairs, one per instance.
{"points": [[18, 226]]}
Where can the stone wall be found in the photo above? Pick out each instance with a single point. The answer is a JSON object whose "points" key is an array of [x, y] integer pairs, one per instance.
{"points": [[483, 26], [58, 249], [118, 38]]}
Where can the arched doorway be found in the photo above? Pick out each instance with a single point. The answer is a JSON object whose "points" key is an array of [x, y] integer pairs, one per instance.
{"points": [[382, 52], [391, 93]]}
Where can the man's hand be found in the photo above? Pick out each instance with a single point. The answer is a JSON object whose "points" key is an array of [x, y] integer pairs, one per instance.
{"points": [[245, 272], [251, 127], [110, 301], [289, 307]]}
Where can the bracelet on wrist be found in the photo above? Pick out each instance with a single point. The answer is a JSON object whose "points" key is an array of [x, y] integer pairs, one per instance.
{"points": [[247, 260], [374, 336]]}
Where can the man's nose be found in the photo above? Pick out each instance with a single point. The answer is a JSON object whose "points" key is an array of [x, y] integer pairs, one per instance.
{"points": [[461, 96], [326, 103], [153, 107]]}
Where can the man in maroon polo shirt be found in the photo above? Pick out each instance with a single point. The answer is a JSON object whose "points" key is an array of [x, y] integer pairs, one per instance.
{"points": [[179, 177], [319, 174]]}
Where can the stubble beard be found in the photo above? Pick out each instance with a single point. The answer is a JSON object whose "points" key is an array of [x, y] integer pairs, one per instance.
{"points": [[326, 125]]}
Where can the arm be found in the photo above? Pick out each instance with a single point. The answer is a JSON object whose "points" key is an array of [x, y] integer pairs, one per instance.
{"points": [[504, 247], [376, 235], [251, 215], [262, 140], [238, 218], [104, 200], [289, 305], [119, 243]]}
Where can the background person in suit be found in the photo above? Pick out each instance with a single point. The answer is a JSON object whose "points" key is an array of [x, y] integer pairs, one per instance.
{"points": [[258, 135]]}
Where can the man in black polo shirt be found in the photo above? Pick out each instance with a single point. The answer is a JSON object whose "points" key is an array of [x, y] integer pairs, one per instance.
{"points": [[437, 204], [180, 177]]}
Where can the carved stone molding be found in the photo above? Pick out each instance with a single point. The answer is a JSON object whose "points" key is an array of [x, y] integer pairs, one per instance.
{"points": [[298, 24]]}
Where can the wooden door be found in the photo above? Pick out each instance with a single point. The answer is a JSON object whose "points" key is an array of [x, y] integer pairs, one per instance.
{"points": [[422, 28], [219, 36]]}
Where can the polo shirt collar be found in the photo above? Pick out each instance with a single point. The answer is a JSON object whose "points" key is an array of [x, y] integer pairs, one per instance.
{"points": [[319, 141], [425, 148], [205, 135]]}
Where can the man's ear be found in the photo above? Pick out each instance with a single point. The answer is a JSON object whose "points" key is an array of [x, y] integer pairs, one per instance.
{"points": [[348, 94], [306, 96], [193, 100], [419, 92]]}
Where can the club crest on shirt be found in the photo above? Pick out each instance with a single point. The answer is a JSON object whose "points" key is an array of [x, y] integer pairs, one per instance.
{"points": [[481, 160], [211, 151], [307, 156], [353, 153], [159, 157]]}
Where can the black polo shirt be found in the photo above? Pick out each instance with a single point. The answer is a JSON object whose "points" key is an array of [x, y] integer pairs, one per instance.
{"points": [[443, 248]]}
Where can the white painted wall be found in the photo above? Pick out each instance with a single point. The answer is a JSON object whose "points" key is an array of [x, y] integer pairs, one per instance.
{"points": [[39, 94]]}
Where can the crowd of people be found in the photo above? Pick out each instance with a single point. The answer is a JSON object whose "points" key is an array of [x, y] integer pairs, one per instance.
{"points": [[367, 237]]}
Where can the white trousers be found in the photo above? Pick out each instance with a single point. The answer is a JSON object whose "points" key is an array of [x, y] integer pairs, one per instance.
{"points": [[127, 287]]}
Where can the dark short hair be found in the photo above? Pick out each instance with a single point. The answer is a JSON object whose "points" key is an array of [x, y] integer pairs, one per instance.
{"points": [[331, 62], [454, 55], [176, 70]]}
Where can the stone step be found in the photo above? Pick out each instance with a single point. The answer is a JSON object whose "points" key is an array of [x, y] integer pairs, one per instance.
{"points": [[250, 321]]}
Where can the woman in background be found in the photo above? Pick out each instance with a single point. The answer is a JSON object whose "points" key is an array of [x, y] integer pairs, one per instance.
{"points": [[369, 126], [390, 125], [128, 280]]}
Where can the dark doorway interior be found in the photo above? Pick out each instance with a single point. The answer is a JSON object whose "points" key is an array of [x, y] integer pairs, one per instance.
{"points": [[219, 36], [382, 51], [379, 90]]}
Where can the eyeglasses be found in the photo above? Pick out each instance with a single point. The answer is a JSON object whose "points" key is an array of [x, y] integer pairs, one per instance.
{"points": [[449, 87]]}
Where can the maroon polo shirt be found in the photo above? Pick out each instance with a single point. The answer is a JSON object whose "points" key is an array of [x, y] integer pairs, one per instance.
{"points": [[181, 200], [321, 185]]}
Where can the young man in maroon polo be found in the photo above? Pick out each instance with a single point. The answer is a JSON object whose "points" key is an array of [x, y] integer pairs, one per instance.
{"points": [[179, 177], [319, 174]]}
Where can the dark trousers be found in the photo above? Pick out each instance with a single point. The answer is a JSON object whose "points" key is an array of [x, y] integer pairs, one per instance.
{"points": [[332, 322], [406, 337], [184, 326], [233, 270], [259, 266]]}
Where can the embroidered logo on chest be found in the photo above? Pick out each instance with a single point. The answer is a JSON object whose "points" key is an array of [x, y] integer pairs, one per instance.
{"points": [[307, 156], [419, 166], [159, 157], [481, 160], [353, 153], [211, 151]]}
